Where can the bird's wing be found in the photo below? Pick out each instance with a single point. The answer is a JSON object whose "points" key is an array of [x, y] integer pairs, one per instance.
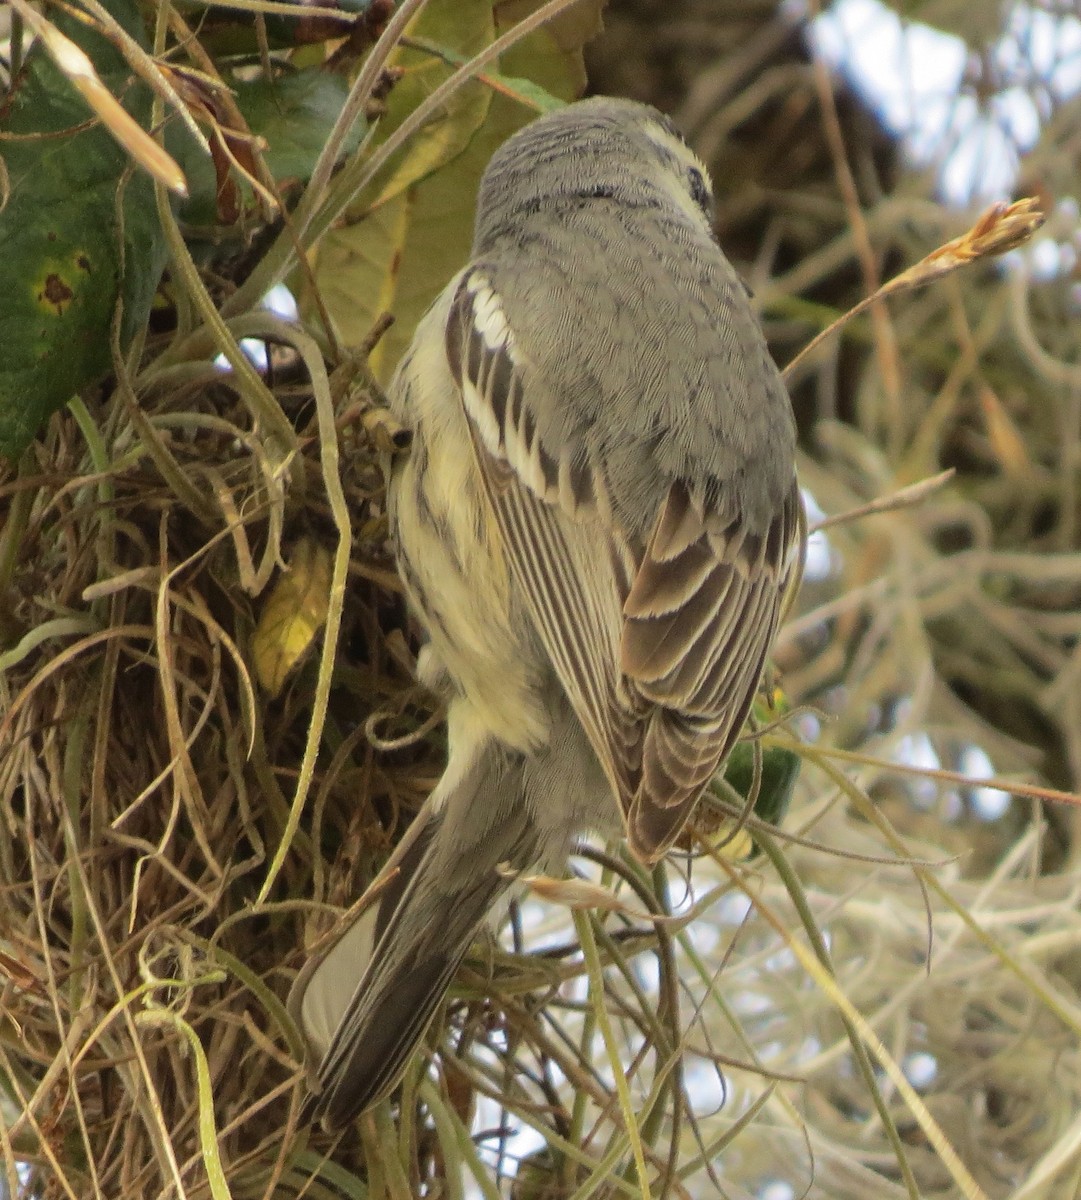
{"points": [[659, 646], [699, 621]]}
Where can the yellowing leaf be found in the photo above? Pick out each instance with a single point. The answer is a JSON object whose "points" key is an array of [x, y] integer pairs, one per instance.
{"points": [[465, 29], [293, 614], [733, 848], [357, 269], [419, 222]]}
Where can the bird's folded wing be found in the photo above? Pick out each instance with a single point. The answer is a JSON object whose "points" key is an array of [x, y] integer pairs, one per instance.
{"points": [[700, 618], [659, 647]]}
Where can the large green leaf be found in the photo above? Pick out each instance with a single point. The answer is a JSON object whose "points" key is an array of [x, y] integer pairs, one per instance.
{"points": [[68, 254], [355, 266], [295, 114], [415, 225]]}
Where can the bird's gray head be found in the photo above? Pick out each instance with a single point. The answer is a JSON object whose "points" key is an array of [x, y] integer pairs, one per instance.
{"points": [[593, 149]]}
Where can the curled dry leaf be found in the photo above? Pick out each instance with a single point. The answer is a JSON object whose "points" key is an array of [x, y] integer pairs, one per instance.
{"points": [[572, 893], [1006, 439], [582, 894]]}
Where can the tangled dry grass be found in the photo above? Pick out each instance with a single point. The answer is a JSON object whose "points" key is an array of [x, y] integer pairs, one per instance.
{"points": [[174, 838]]}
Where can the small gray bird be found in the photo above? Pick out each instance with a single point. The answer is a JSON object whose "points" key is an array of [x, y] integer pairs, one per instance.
{"points": [[597, 525]]}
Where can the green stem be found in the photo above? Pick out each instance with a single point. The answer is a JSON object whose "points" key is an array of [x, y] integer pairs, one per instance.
{"points": [[584, 924]]}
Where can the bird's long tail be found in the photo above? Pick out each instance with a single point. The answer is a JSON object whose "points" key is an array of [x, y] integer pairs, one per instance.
{"points": [[366, 1003]]}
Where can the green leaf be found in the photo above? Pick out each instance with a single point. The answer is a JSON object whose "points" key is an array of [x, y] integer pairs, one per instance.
{"points": [[68, 255], [780, 770], [295, 114], [525, 91]]}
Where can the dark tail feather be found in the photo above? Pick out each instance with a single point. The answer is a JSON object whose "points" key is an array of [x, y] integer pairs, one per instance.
{"points": [[405, 949]]}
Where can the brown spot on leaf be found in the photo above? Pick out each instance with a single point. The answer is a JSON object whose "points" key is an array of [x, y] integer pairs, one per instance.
{"points": [[56, 292], [82, 261]]}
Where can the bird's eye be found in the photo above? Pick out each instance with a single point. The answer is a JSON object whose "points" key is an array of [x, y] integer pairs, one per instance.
{"points": [[699, 189]]}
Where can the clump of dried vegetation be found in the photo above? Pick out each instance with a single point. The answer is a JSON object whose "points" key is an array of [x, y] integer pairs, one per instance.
{"points": [[210, 737]]}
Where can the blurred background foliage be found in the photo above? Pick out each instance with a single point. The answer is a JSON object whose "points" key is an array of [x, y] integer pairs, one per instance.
{"points": [[209, 737]]}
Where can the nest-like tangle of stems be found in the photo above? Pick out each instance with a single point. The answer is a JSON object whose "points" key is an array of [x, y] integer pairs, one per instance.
{"points": [[147, 785]]}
